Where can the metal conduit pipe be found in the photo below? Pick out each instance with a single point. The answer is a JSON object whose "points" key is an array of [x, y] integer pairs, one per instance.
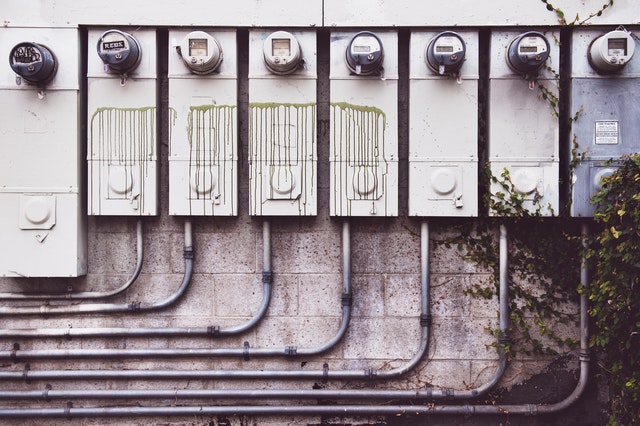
{"points": [[244, 352], [209, 331], [115, 307], [71, 295], [325, 374], [527, 409], [16, 353], [332, 394]]}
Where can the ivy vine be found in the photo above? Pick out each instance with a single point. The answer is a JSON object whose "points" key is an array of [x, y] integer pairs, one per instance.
{"points": [[614, 296], [544, 267], [562, 17], [544, 258]]}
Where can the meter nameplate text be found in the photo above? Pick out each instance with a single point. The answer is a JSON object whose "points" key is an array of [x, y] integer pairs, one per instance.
{"points": [[607, 132]]}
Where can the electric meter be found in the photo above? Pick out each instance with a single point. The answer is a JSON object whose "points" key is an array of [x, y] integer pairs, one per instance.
{"points": [[33, 62], [282, 53], [528, 52], [365, 54], [119, 51], [445, 53], [610, 52], [201, 52]]}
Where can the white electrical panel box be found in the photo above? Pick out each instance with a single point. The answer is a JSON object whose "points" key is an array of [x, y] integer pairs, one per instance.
{"points": [[203, 155], [443, 123], [364, 123], [42, 214], [605, 88], [122, 122], [282, 123], [523, 118]]}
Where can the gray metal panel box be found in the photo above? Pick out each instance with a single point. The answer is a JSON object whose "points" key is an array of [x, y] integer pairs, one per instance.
{"points": [[607, 127]]}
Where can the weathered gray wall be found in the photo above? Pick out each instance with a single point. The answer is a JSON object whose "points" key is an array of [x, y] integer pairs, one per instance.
{"points": [[305, 311]]}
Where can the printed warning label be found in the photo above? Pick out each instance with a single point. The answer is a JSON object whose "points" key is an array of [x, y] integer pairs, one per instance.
{"points": [[607, 133]]}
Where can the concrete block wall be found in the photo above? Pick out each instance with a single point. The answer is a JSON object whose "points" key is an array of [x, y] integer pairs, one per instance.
{"points": [[306, 309]]}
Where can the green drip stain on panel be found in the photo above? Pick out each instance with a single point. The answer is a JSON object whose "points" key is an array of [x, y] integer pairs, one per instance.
{"points": [[210, 129], [282, 138], [124, 137], [358, 145]]}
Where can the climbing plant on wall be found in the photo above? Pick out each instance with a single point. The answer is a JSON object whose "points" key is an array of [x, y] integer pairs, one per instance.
{"points": [[544, 267], [545, 255], [614, 293], [562, 16]]}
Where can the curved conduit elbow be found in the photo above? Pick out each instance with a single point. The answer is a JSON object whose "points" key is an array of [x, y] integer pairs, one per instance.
{"points": [[347, 296], [374, 394], [114, 307], [244, 352], [85, 295], [208, 331], [525, 409]]}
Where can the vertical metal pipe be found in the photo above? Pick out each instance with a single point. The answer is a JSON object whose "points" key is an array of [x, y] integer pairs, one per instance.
{"points": [[346, 258], [266, 246], [347, 298], [585, 280], [188, 233], [424, 267], [504, 280]]}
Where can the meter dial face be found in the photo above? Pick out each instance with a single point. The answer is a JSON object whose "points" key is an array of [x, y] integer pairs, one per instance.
{"points": [[445, 53], [282, 53], [33, 62], [119, 51], [610, 52], [528, 52], [365, 54], [200, 52]]}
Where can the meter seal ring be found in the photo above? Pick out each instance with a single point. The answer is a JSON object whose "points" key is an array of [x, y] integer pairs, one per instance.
{"points": [[48, 69], [375, 59], [613, 69], [124, 67], [524, 68], [296, 61], [451, 65]]}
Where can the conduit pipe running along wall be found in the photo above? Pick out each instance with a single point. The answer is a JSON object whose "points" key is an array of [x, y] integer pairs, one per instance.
{"points": [[209, 331], [527, 409], [370, 394], [324, 374], [71, 295], [244, 352], [110, 308]]}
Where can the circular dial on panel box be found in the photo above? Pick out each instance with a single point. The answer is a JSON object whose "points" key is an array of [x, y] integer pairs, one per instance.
{"points": [[33, 62], [365, 54], [119, 51], [282, 53], [445, 53], [610, 52], [528, 52], [200, 52]]}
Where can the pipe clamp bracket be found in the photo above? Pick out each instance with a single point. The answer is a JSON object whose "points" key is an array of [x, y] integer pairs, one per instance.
{"points": [[245, 351], [290, 351], [426, 320], [347, 299]]}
